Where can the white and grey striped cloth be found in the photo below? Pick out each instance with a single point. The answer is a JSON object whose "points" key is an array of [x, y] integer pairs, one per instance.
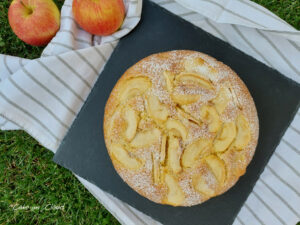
{"points": [[43, 96]]}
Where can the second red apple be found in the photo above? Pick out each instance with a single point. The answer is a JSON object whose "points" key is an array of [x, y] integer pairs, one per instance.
{"points": [[99, 17]]}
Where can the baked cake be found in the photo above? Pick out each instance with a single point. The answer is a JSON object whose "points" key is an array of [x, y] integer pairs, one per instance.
{"points": [[180, 127]]}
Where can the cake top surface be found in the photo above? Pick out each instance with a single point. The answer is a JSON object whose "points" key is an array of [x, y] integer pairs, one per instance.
{"points": [[180, 127]]}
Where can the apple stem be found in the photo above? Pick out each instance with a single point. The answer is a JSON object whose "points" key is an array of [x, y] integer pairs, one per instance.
{"points": [[23, 3], [28, 8]]}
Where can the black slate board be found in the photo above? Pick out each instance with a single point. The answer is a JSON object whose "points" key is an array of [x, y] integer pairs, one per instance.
{"points": [[277, 99]]}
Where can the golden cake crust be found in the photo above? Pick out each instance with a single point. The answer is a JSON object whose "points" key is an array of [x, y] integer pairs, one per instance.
{"points": [[199, 108]]}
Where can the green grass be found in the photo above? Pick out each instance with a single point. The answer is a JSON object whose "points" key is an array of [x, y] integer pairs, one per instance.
{"points": [[28, 177], [288, 10]]}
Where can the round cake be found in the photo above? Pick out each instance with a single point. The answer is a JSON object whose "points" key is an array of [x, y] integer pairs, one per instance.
{"points": [[180, 127]]}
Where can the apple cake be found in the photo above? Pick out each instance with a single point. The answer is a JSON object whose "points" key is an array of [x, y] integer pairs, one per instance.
{"points": [[180, 127]]}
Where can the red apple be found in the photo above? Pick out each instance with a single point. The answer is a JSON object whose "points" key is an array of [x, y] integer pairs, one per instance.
{"points": [[99, 17], [34, 21]]}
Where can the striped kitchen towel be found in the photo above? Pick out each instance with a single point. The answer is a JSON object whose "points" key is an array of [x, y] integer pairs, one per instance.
{"points": [[62, 90]]}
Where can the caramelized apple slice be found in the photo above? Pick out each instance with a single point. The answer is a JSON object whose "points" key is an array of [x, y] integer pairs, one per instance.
{"points": [[131, 93], [169, 77], [243, 136], [202, 186], [156, 171], [134, 86], [225, 137], [122, 156], [199, 66], [190, 64], [178, 126], [131, 117], [218, 167], [184, 99], [210, 116], [194, 79], [175, 195], [157, 110], [235, 162], [112, 121], [183, 114], [222, 99], [195, 151], [163, 149], [174, 154], [145, 138], [234, 97]]}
